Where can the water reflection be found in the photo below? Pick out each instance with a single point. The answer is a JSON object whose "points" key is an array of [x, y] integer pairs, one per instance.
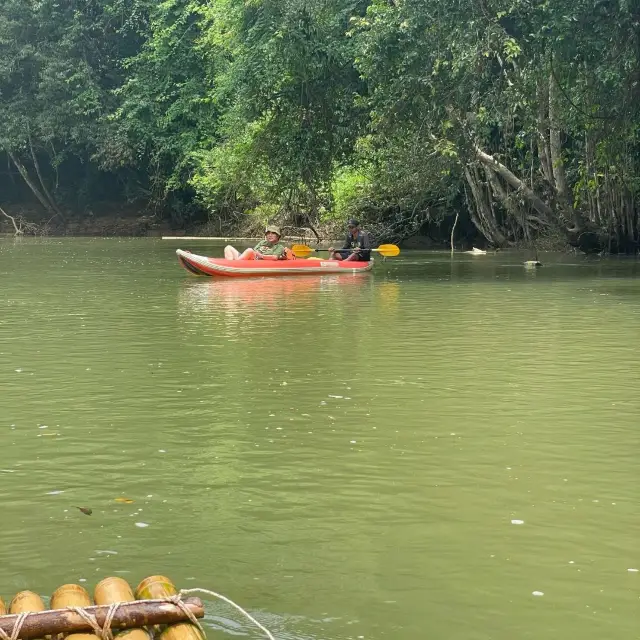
{"points": [[255, 295], [388, 294]]}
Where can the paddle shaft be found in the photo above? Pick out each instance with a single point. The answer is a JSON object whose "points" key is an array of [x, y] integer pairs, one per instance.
{"points": [[341, 250]]}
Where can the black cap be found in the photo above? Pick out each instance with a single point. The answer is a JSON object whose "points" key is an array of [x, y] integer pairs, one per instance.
{"points": [[352, 222]]}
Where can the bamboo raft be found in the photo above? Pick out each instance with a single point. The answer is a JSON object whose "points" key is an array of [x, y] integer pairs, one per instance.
{"points": [[156, 610]]}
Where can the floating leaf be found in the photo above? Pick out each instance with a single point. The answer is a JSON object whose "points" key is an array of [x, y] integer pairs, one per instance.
{"points": [[124, 500], [85, 510]]}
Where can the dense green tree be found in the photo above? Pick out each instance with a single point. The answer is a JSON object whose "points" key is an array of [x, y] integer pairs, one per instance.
{"points": [[285, 76], [535, 101], [59, 63], [166, 108], [520, 117]]}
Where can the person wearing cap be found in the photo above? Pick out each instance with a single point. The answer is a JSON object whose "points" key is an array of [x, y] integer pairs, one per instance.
{"points": [[268, 249], [357, 244]]}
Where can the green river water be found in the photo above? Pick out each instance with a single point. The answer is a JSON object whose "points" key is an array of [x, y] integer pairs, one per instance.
{"points": [[442, 449]]}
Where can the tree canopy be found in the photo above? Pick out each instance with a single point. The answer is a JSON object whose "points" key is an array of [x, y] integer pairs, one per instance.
{"points": [[520, 117]]}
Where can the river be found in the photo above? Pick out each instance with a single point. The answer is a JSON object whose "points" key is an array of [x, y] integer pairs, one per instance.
{"points": [[444, 448]]}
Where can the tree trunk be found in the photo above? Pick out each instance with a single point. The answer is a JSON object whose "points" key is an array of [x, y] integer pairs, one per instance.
{"points": [[544, 153], [557, 162], [518, 213], [591, 176], [500, 192], [484, 219], [31, 184], [543, 209], [45, 191], [313, 215], [455, 224]]}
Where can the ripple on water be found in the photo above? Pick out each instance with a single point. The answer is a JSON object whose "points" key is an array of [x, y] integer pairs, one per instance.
{"points": [[344, 455]]}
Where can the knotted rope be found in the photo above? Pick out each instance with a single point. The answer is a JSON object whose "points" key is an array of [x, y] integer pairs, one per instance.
{"points": [[178, 601], [17, 627], [103, 631]]}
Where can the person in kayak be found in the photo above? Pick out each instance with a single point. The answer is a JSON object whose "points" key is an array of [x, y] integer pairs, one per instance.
{"points": [[357, 244], [268, 249]]}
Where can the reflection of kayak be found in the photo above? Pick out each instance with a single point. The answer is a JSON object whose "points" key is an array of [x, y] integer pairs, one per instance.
{"points": [[203, 266], [253, 296]]}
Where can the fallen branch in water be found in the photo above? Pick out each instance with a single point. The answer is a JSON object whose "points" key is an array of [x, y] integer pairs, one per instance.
{"points": [[18, 229], [23, 226]]}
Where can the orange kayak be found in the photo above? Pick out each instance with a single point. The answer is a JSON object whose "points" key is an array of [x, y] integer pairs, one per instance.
{"points": [[203, 266]]}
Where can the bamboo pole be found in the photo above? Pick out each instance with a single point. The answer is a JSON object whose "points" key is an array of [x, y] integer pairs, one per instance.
{"points": [[129, 615]]}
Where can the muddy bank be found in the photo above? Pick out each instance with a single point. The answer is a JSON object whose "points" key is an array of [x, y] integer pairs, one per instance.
{"points": [[101, 222], [134, 222], [108, 220]]}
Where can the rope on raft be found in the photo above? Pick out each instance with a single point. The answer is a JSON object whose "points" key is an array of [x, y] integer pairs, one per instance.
{"points": [[16, 628], [232, 603], [105, 632]]}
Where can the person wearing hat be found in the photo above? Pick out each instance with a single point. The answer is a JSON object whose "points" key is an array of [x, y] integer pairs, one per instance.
{"points": [[357, 244], [268, 249]]}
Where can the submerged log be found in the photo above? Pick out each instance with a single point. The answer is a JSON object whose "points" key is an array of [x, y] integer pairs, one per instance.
{"points": [[129, 615]]}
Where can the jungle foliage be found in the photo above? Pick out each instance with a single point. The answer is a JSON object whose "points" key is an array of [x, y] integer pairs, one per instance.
{"points": [[521, 117]]}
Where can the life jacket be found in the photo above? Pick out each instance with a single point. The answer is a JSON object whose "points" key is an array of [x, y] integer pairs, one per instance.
{"points": [[288, 254]]}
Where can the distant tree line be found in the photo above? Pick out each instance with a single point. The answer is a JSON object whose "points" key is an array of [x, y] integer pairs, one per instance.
{"points": [[520, 119]]}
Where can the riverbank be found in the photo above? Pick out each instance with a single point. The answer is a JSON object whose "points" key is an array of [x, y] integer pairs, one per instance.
{"points": [[128, 221], [109, 220], [103, 220]]}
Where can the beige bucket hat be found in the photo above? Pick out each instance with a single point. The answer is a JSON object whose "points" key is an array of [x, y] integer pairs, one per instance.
{"points": [[274, 229]]}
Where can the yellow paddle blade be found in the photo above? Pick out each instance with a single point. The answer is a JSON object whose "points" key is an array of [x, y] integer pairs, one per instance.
{"points": [[388, 250], [301, 250]]}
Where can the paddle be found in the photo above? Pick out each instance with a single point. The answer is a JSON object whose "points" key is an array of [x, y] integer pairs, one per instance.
{"points": [[387, 250]]}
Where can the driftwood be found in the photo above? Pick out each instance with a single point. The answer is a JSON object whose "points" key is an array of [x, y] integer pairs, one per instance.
{"points": [[129, 615], [13, 221]]}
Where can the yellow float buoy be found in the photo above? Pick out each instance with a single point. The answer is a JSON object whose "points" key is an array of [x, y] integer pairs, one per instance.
{"points": [[155, 587], [26, 602], [72, 595], [161, 587], [112, 590]]}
